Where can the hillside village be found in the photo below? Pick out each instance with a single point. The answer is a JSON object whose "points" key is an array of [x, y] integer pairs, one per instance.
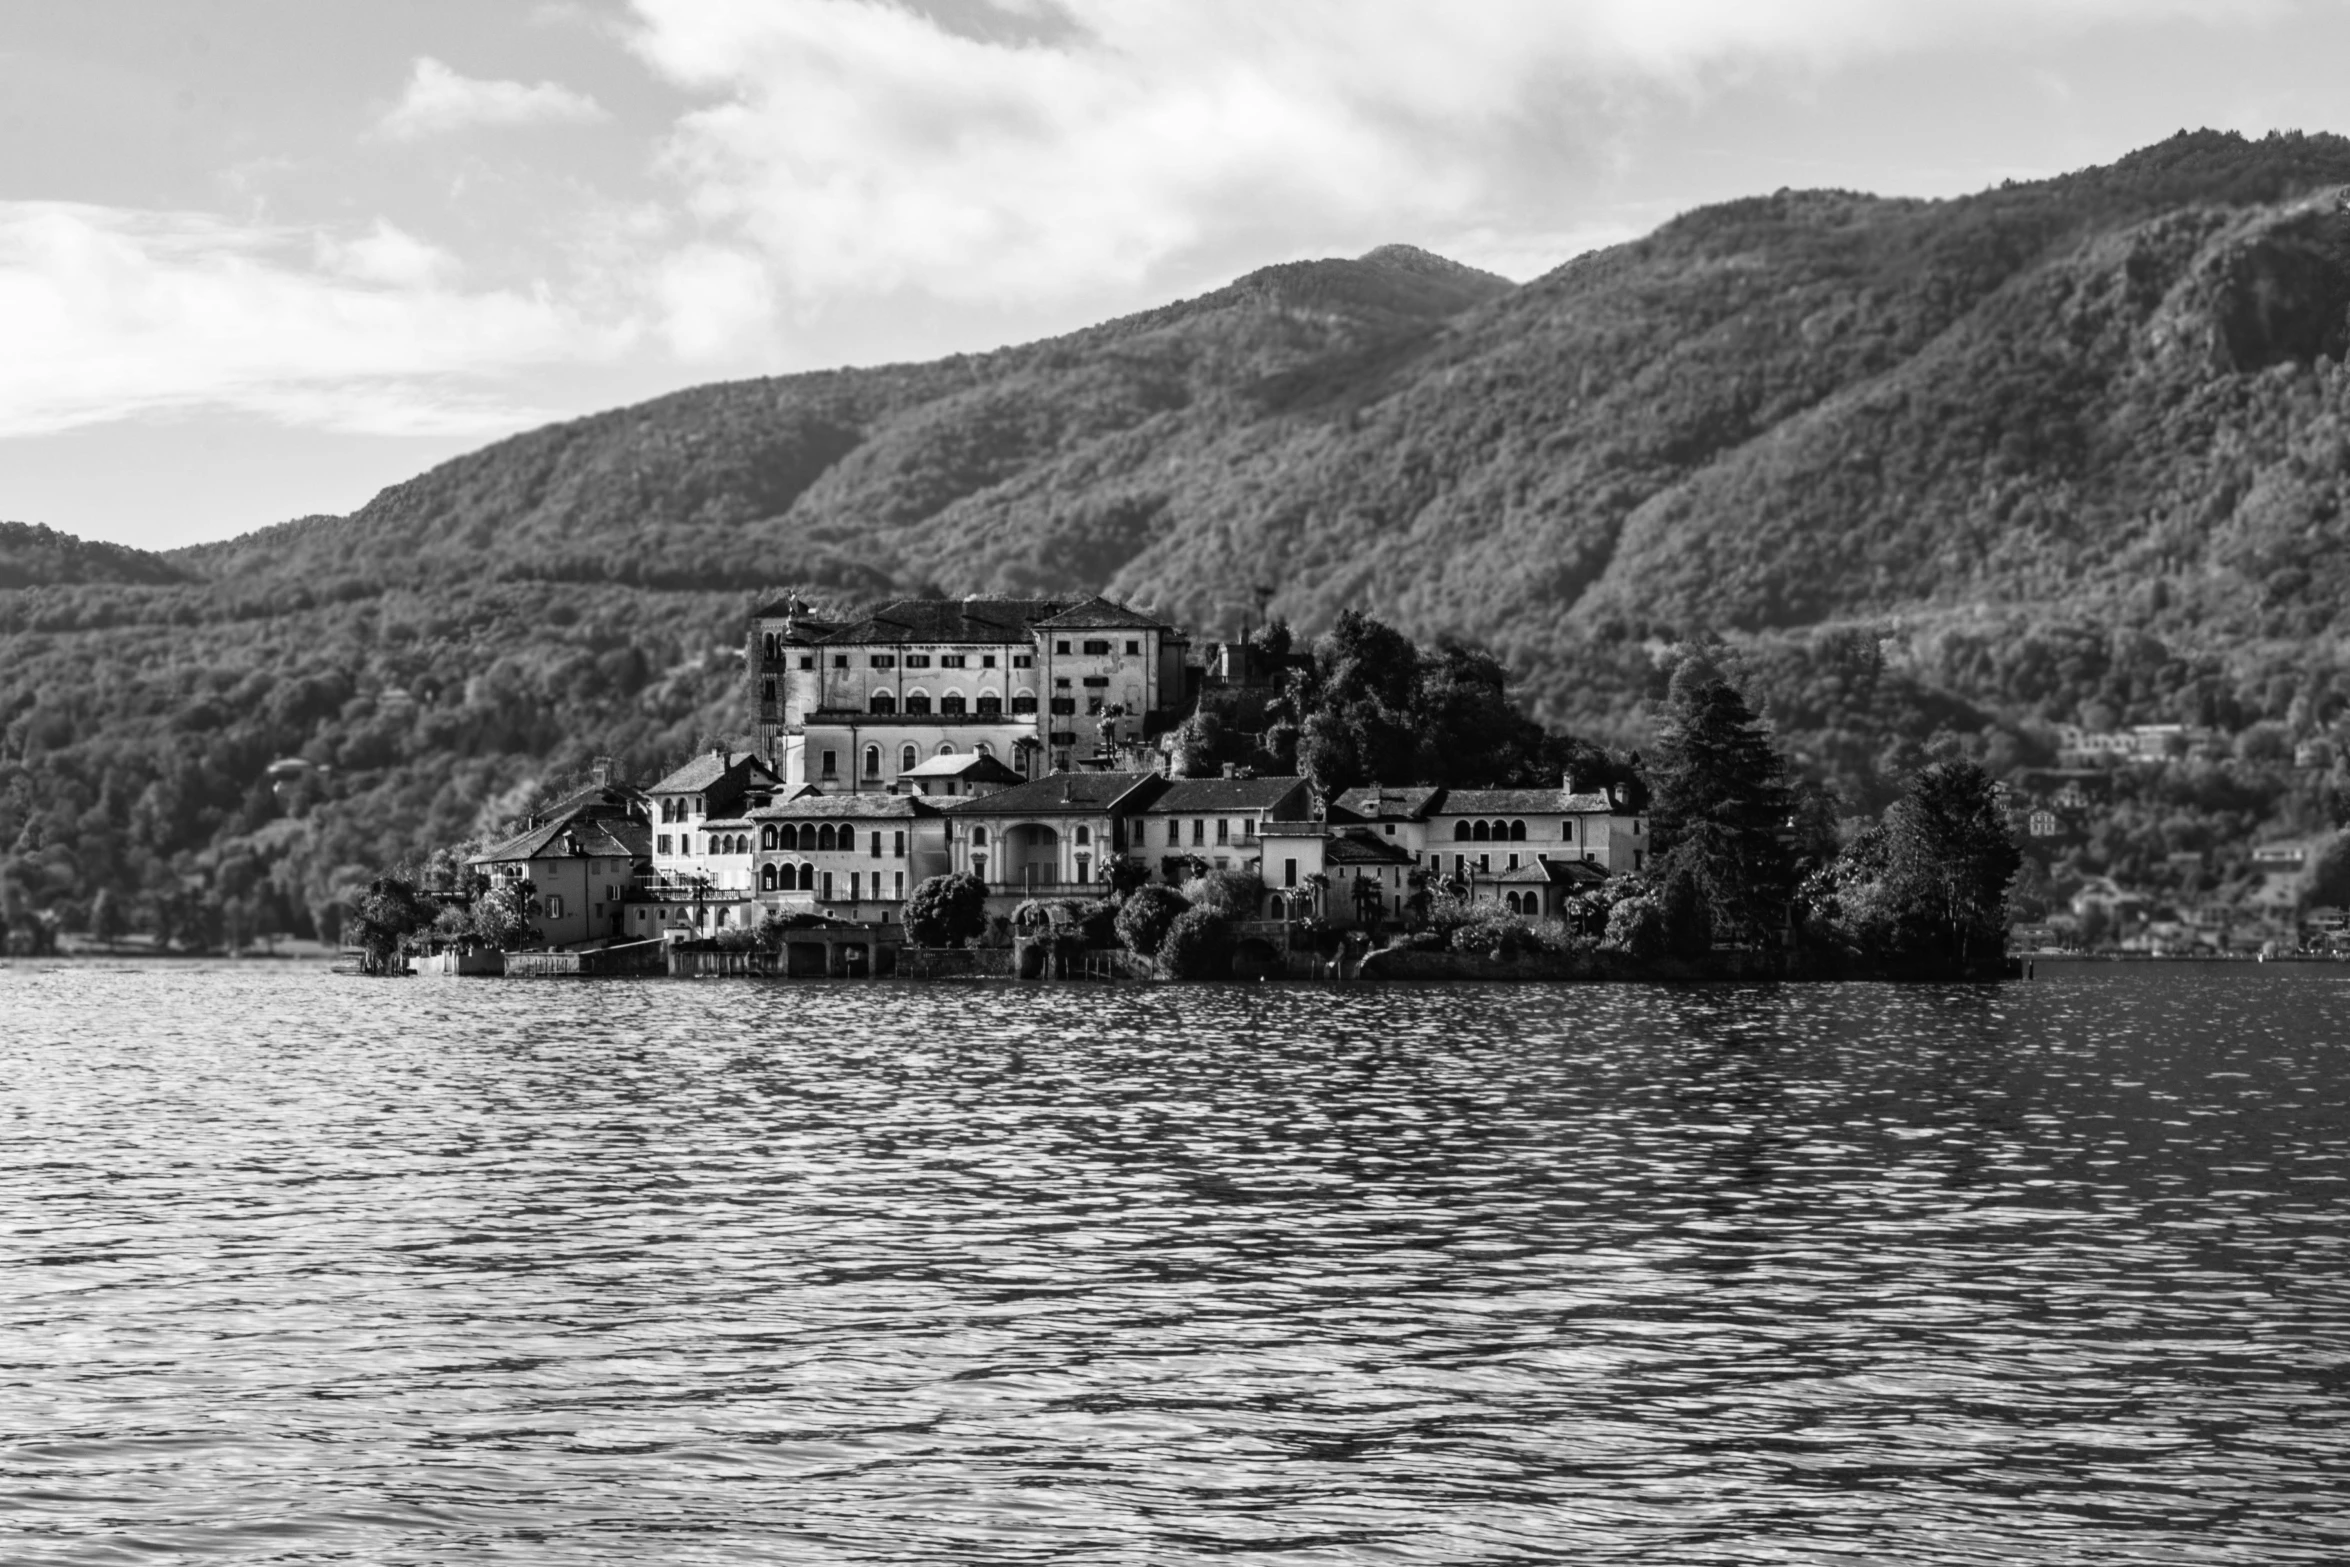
{"points": [[1020, 741]]}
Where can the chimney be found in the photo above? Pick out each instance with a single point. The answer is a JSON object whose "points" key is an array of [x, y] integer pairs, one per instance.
{"points": [[1232, 769], [1567, 780]]}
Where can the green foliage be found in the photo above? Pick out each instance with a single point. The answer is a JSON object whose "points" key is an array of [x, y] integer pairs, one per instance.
{"points": [[2085, 436], [1720, 807], [2328, 881], [1492, 931], [502, 917], [386, 916], [1144, 917], [1637, 927], [1198, 945], [1122, 876], [947, 911], [1930, 881], [1949, 852], [1235, 894]]}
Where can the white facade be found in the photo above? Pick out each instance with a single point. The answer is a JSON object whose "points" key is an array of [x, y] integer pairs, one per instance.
{"points": [[1031, 683]]}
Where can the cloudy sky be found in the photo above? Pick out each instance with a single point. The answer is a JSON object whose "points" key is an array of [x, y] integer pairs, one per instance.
{"points": [[259, 258]]}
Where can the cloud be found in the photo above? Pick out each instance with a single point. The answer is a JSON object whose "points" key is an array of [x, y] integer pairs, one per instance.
{"points": [[113, 314], [438, 100], [387, 255], [711, 299], [867, 148]]}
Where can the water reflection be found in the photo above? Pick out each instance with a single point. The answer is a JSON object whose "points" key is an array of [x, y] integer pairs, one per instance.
{"points": [[448, 1272]]}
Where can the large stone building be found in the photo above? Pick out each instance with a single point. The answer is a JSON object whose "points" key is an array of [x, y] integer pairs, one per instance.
{"points": [[1038, 684]]}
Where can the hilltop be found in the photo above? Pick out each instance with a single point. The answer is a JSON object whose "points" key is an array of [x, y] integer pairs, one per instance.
{"points": [[2067, 449]]}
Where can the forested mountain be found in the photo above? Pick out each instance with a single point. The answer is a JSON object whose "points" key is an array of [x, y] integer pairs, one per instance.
{"points": [[2072, 448]]}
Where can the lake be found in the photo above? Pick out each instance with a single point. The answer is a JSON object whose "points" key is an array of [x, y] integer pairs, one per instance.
{"points": [[301, 1268]]}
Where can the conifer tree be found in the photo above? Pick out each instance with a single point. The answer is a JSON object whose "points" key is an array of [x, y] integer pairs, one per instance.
{"points": [[1719, 813]]}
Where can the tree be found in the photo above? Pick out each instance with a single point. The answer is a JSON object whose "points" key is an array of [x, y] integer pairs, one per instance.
{"points": [[1235, 894], [1123, 875], [385, 916], [1198, 945], [1636, 928], [1950, 855], [1144, 917], [502, 917], [1368, 901], [107, 924], [947, 911], [1719, 809], [2328, 882]]}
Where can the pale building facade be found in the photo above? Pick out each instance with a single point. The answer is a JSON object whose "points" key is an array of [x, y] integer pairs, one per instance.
{"points": [[1218, 821], [1050, 837], [851, 856], [1036, 684]]}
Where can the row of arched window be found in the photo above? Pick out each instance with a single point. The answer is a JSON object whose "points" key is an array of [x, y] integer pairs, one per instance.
{"points": [[730, 843], [951, 705], [1489, 832], [782, 878], [1522, 902], [807, 837]]}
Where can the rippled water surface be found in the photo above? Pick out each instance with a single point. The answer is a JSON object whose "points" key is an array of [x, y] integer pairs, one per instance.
{"points": [[296, 1268]]}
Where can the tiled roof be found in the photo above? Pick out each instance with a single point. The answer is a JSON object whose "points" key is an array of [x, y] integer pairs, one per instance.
{"points": [[1355, 848], [708, 768], [1374, 803], [598, 800], [832, 807], [964, 764], [1225, 794], [1555, 873], [949, 620], [1096, 612], [599, 837], [1065, 794], [1504, 802]]}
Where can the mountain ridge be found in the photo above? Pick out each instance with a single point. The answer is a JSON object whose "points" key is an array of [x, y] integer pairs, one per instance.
{"points": [[2063, 451]]}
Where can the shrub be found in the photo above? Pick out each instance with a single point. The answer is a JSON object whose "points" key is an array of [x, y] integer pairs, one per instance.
{"points": [[1095, 922], [947, 911], [1234, 894], [1143, 919], [1315, 934], [1123, 876], [1636, 927], [1198, 946], [1501, 936]]}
